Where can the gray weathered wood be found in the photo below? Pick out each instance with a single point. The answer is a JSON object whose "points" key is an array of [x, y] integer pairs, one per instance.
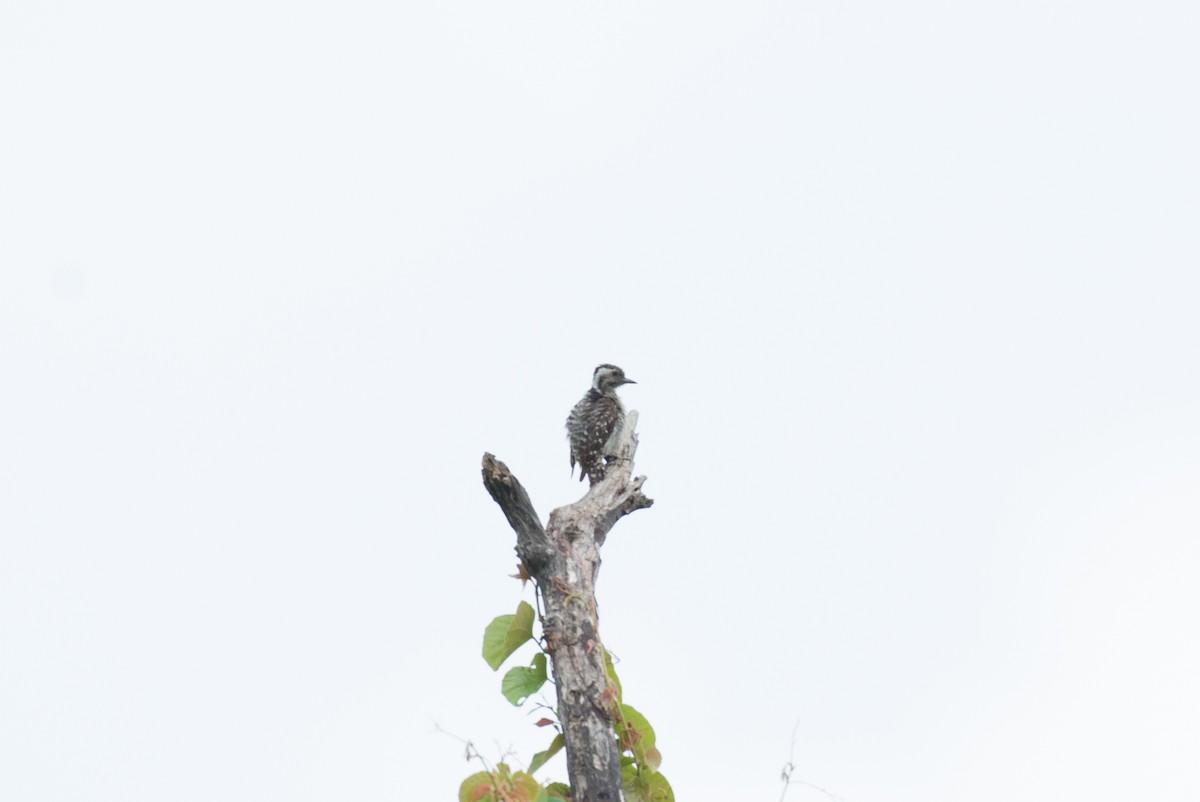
{"points": [[564, 560]]}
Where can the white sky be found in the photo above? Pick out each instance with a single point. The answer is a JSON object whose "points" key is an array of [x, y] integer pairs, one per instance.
{"points": [[910, 290]]}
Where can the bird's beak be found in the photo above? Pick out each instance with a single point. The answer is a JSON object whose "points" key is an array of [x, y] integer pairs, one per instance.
{"points": [[629, 381]]}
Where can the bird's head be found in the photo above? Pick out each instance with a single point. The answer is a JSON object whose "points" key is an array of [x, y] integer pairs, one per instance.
{"points": [[608, 378]]}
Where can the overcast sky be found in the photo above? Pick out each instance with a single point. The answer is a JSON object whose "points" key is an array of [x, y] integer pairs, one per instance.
{"points": [[910, 291]]}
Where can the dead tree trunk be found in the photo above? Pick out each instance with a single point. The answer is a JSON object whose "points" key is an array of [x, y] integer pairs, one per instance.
{"points": [[564, 559]]}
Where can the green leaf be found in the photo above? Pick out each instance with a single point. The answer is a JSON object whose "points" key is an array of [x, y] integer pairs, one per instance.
{"points": [[612, 673], [477, 788], [506, 633], [645, 786], [540, 758], [520, 683], [635, 733], [559, 792], [524, 787]]}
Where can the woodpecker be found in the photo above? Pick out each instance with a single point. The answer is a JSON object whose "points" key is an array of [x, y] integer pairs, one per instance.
{"points": [[595, 422]]}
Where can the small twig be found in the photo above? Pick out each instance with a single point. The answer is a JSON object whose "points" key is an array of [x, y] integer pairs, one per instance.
{"points": [[790, 766], [807, 784], [470, 752], [505, 754], [544, 706]]}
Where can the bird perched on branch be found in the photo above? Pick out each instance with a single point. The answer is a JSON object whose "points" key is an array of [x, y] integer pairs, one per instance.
{"points": [[595, 422]]}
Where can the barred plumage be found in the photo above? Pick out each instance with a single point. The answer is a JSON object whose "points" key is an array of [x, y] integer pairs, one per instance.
{"points": [[595, 422]]}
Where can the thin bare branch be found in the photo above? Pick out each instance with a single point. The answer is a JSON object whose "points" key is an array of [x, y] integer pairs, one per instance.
{"points": [[790, 766]]}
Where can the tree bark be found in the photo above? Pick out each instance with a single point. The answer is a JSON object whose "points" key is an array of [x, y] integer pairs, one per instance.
{"points": [[564, 560]]}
